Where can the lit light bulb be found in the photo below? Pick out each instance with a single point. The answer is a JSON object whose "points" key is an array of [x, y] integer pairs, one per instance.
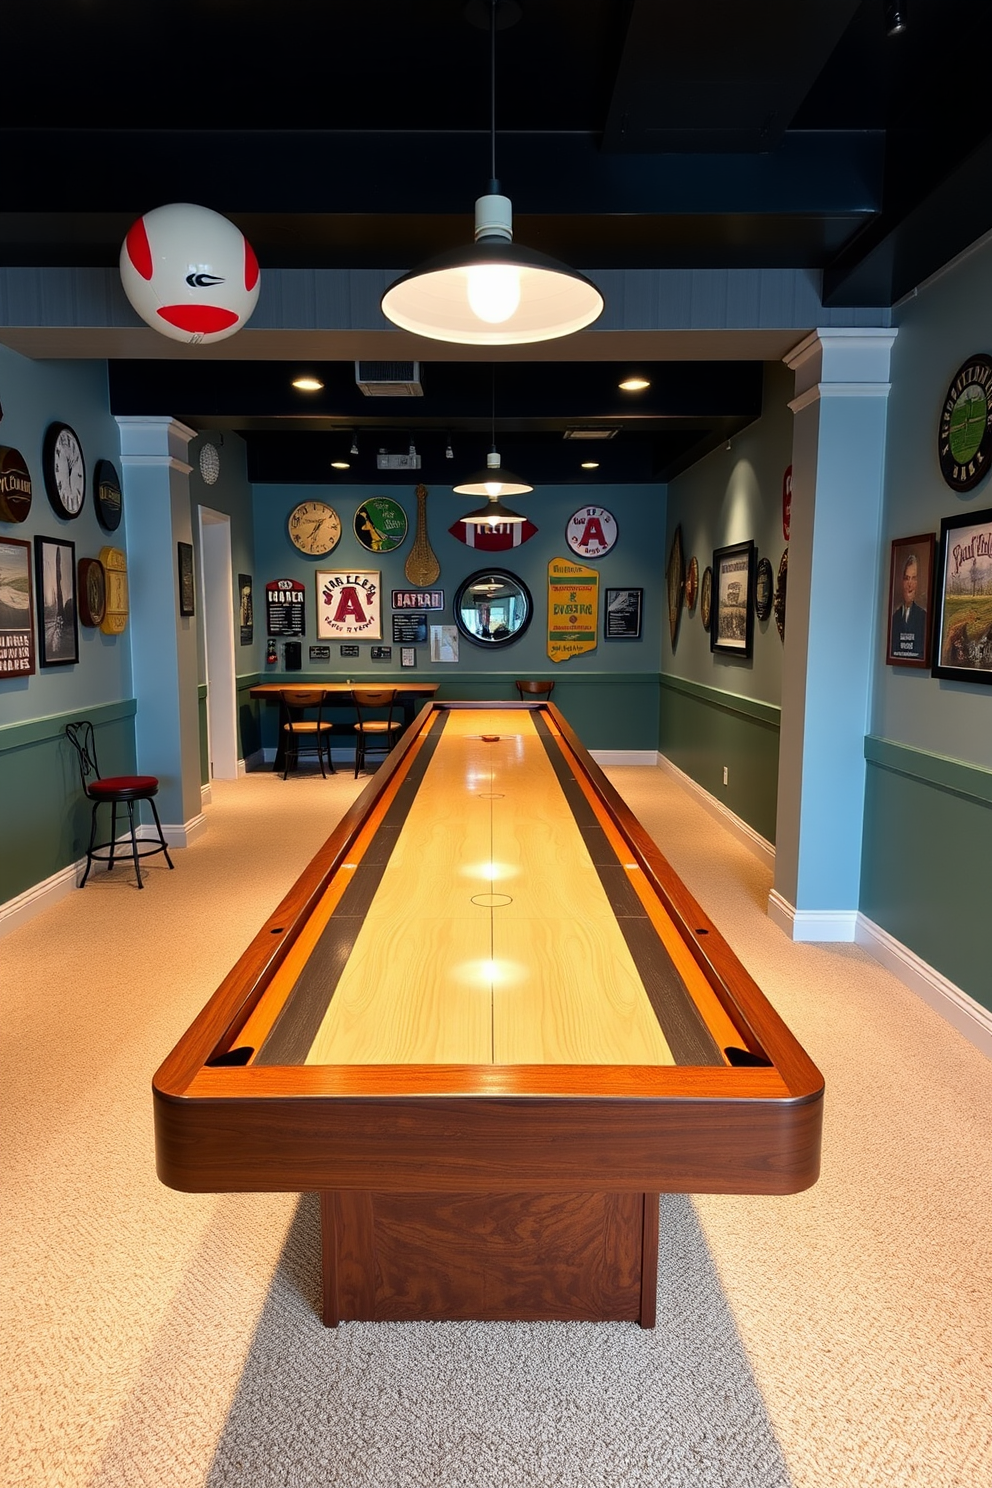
{"points": [[493, 488], [494, 291]]}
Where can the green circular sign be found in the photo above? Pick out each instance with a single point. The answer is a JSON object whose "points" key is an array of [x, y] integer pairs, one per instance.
{"points": [[380, 524], [964, 439]]}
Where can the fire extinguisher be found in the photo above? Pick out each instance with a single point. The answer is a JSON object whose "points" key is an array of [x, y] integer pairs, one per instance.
{"points": [[270, 656]]}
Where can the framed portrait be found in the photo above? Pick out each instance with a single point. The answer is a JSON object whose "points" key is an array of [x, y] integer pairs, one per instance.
{"points": [[55, 582], [246, 609], [908, 628], [16, 624], [186, 593], [622, 614], [963, 629], [732, 629]]}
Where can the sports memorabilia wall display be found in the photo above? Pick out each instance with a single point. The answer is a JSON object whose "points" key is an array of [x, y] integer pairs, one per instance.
{"points": [[591, 531]]}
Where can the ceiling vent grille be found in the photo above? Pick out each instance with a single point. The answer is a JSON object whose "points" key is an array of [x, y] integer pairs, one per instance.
{"points": [[600, 433], [389, 379]]}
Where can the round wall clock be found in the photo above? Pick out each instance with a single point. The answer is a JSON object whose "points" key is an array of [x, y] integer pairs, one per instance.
{"points": [[964, 438], [15, 485], [64, 469], [706, 597], [92, 591], [380, 524], [314, 528], [691, 584], [763, 585], [591, 531], [209, 464], [108, 497]]}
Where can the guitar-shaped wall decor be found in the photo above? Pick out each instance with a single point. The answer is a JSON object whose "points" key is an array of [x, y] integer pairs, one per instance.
{"points": [[422, 567]]}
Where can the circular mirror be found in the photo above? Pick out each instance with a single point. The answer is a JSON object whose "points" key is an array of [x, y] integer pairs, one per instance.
{"points": [[493, 607]]}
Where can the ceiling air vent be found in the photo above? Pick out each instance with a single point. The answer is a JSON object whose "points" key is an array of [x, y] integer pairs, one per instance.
{"points": [[389, 379], [591, 433]]}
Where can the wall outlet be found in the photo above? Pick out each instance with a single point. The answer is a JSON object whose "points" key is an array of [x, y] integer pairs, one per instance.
{"points": [[726, 775]]}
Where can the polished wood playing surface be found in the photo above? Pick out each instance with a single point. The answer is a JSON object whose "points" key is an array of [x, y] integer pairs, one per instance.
{"points": [[489, 1024]]}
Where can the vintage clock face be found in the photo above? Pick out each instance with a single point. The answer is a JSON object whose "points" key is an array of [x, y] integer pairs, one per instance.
{"points": [[107, 496], [964, 439], [65, 470], [314, 528]]}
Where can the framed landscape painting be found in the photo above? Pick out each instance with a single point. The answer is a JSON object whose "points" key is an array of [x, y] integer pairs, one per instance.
{"points": [[963, 631]]}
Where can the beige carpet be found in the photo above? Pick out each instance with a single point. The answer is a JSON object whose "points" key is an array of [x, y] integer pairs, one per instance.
{"points": [[842, 1336]]}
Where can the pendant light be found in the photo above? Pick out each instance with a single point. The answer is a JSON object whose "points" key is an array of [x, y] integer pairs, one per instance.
{"points": [[493, 482], [493, 292]]}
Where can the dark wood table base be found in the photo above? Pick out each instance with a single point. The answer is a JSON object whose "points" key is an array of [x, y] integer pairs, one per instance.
{"points": [[405, 1257]]}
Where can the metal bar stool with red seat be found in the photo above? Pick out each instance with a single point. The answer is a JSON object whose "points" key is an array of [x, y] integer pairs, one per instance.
{"points": [[374, 732], [118, 790]]}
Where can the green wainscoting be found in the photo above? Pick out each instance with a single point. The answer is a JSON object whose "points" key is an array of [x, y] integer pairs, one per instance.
{"points": [[201, 718], [925, 861], [703, 729], [45, 816]]}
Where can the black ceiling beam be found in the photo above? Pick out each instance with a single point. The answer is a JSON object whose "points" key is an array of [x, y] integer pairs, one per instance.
{"points": [[721, 77]]}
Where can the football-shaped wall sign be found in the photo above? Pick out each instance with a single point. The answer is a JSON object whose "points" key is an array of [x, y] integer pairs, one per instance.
{"points": [[189, 273]]}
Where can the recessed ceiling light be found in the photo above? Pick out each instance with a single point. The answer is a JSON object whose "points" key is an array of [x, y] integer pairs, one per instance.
{"points": [[340, 465], [634, 384], [590, 464], [308, 384]]}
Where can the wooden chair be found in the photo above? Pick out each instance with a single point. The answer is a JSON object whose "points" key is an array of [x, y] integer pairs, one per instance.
{"points": [[118, 790], [374, 733], [530, 690], [300, 732]]}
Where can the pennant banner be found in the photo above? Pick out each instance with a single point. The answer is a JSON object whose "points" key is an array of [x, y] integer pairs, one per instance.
{"points": [[573, 608]]}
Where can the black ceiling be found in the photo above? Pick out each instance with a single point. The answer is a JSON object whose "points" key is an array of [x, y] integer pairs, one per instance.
{"points": [[630, 133]]}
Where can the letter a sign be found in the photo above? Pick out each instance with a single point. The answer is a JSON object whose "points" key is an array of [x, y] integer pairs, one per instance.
{"points": [[349, 605], [591, 531]]}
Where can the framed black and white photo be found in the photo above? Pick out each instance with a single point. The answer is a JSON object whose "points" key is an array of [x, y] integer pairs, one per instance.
{"points": [[732, 628], [55, 581], [186, 592], [622, 614]]}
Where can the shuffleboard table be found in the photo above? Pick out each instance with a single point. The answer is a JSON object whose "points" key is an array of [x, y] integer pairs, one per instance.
{"points": [[489, 1025]]}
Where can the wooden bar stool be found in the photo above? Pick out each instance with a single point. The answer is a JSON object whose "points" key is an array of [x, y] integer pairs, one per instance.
{"points": [[301, 732], [529, 690], [117, 790], [374, 733]]}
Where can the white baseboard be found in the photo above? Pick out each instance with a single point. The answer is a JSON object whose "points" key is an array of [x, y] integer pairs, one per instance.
{"points": [[744, 833], [242, 768], [206, 795], [605, 757], [176, 834], [969, 1017], [812, 924], [23, 907]]}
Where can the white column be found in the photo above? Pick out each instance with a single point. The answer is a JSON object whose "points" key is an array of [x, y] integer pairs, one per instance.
{"points": [[163, 643], [831, 631]]}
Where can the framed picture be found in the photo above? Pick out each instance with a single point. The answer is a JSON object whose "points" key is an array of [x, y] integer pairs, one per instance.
{"points": [[732, 630], [55, 579], [186, 595], [349, 605], [408, 656], [907, 619], [622, 614], [246, 610], [963, 632], [16, 625]]}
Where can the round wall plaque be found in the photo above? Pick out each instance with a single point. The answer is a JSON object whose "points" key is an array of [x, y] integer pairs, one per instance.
{"points": [[691, 584], [15, 485], [107, 496], [92, 591], [764, 582], [964, 438], [591, 531], [706, 597], [380, 524]]}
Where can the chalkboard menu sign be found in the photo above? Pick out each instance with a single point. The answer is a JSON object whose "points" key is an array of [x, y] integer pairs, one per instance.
{"points": [[410, 630], [285, 606]]}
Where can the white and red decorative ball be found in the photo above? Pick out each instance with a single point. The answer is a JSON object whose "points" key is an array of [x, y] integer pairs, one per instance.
{"points": [[189, 273]]}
